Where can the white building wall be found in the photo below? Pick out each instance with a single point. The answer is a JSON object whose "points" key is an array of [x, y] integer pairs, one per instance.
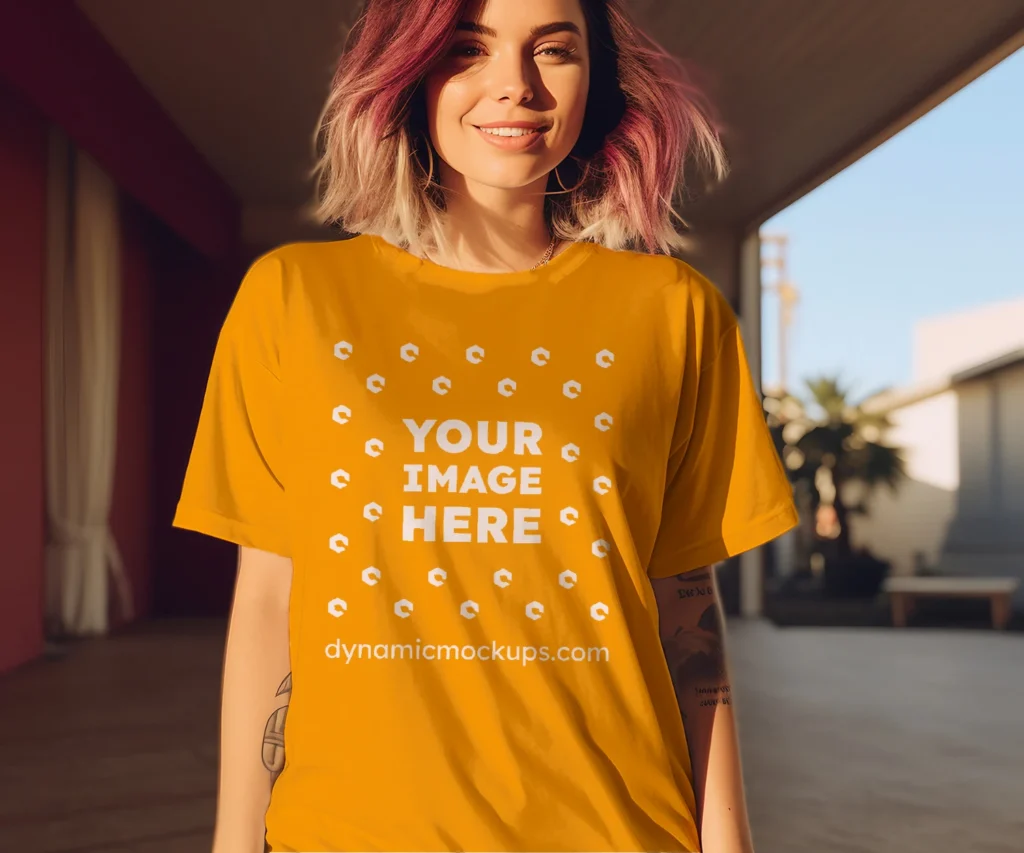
{"points": [[950, 343], [975, 449], [947, 440], [1011, 430], [986, 536], [915, 519], [928, 431]]}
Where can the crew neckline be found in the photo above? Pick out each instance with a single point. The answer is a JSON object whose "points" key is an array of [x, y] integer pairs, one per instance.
{"points": [[565, 262]]}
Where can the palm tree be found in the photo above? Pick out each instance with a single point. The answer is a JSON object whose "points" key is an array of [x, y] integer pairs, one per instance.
{"points": [[838, 445]]}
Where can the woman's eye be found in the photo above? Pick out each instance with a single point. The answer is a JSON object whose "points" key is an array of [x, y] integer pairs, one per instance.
{"points": [[555, 50], [470, 50]]}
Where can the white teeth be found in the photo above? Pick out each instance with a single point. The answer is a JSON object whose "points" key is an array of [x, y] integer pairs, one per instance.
{"points": [[508, 131]]}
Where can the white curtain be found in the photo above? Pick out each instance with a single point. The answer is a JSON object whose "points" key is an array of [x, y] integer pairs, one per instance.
{"points": [[83, 337]]}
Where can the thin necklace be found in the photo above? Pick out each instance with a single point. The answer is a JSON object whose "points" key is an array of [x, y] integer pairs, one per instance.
{"points": [[547, 254]]}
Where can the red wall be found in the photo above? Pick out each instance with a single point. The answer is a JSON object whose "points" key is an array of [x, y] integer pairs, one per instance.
{"points": [[22, 270], [194, 574], [131, 510], [175, 300]]}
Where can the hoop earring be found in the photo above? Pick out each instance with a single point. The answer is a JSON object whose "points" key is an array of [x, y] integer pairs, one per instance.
{"points": [[565, 189]]}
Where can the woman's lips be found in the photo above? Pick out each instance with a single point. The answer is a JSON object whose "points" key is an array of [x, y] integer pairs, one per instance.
{"points": [[513, 143]]}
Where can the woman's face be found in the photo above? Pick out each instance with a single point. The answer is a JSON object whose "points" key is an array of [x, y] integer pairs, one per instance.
{"points": [[505, 105]]}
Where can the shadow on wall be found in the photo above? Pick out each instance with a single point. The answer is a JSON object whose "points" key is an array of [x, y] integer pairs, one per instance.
{"points": [[915, 520]]}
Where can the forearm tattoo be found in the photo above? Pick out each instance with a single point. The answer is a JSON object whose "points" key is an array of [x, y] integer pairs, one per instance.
{"points": [[273, 734], [695, 584], [694, 650]]}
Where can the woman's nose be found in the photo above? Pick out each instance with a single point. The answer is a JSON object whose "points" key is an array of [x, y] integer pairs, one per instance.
{"points": [[510, 80]]}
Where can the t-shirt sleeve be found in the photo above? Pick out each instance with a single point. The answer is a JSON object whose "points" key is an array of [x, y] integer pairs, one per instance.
{"points": [[726, 489], [234, 485]]}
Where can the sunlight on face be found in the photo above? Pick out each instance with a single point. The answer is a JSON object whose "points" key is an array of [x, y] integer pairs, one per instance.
{"points": [[511, 62]]}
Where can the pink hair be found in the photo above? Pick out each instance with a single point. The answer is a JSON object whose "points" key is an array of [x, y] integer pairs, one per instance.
{"points": [[644, 121]]}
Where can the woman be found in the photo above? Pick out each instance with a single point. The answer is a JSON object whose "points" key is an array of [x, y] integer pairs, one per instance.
{"points": [[479, 457]]}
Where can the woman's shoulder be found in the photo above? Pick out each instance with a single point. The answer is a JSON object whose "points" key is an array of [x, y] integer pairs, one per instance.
{"points": [[279, 280], [313, 255], [677, 280], [301, 269]]}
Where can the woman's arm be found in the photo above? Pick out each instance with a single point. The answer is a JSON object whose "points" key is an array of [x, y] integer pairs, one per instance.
{"points": [[256, 690], [692, 627]]}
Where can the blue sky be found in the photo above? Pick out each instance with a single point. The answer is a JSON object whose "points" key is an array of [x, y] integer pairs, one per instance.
{"points": [[929, 223]]}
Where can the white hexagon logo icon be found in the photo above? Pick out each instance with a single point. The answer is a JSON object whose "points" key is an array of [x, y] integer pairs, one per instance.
{"points": [[371, 574], [341, 414], [375, 383], [602, 485], [469, 609], [534, 610], [340, 478], [598, 611], [342, 350], [567, 579], [600, 548], [337, 607], [572, 389], [442, 385], [570, 453], [339, 542], [605, 358], [437, 577], [403, 608], [374, 447], [569, 516], [372, 511], [409, 352], [502, 577], [475, 354], [603, 422], [540, 356], [507, 387]]}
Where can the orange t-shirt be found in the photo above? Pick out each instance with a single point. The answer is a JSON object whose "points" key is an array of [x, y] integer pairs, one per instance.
{"points": [[475, 475]]}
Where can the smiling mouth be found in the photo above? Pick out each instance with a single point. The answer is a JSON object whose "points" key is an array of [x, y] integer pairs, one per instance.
{"points": [[511, 131]]}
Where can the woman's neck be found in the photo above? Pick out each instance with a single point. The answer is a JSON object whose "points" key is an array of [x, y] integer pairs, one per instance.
{"points": [[495, 230]]}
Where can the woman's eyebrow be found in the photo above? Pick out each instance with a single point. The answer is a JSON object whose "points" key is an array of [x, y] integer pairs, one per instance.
{"points": [[536, 32]]}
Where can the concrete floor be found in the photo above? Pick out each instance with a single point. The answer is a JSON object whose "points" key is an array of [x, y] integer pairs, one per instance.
{"points": [[880, 740], [867, 740]]}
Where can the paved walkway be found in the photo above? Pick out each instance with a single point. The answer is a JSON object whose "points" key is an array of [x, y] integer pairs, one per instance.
{"points": [[880, 740]]}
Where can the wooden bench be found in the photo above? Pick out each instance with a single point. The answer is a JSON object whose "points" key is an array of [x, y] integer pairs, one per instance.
{"points": [[903, 592]]}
